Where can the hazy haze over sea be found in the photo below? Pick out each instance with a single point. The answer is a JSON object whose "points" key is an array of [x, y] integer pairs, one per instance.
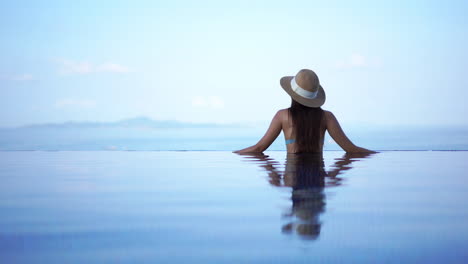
{"points": [[142, 133]]}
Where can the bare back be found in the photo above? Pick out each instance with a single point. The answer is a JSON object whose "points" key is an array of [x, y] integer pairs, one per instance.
{"points": [[282, 122], [288, 130]]}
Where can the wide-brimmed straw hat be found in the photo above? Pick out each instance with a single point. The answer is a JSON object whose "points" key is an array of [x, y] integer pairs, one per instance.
{"points": [[304, 88]]}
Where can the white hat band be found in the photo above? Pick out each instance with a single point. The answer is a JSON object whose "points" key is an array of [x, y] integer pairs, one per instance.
{"points": [[302, 92]]}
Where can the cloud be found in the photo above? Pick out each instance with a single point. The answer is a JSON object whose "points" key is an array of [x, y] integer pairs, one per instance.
{"points": [[112, 67], [75, 103], [198, 101], [214, 102], [85, 67], [73, 67], [17, 77], [357, 60]]}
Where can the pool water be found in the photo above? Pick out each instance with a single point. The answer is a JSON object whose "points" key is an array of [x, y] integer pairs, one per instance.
{"points": [[219, 207]]}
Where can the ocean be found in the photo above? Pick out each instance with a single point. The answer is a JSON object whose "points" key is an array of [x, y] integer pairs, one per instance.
{"points": [[219, 138]]}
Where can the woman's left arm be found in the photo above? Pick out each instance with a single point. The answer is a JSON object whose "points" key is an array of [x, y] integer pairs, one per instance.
{"points": [[270, 136]]}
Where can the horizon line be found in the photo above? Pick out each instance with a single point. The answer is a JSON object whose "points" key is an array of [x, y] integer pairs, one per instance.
{"points": [[245, 123]]}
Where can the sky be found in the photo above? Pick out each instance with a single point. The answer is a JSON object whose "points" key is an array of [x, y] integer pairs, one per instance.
{"points": [[380, 62]]}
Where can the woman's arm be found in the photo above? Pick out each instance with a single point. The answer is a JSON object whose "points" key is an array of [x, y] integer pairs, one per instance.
{"points": [[344, 163], [335, 131], [270, 136]]}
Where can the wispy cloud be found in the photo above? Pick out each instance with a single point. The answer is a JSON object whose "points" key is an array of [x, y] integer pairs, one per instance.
{"points": [[16, 77], [74, 67], [85, 67], [74, 103], [215, 102], [112, 67], [357, 60]]}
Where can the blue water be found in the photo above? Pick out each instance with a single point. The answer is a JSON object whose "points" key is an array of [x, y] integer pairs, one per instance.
{"points": [[218, 207], [220, 138]]}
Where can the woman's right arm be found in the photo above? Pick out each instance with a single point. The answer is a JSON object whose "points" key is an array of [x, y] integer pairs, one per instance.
{"points": [[272, 133], [335, 131]]}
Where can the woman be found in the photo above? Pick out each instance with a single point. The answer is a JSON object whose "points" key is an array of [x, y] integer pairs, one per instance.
{"points": [[304, 123]]}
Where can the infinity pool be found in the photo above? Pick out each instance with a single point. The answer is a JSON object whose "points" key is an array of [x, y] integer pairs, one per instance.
{"points": [[219, 207]]}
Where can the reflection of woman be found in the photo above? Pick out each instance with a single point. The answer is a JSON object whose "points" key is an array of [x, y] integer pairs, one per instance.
{"points": [[305, 174], [304, 123]]}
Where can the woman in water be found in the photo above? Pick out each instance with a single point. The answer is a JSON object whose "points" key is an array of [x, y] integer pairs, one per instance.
{"points": [[305, 122]]}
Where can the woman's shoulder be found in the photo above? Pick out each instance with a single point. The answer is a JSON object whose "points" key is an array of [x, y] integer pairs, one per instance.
{"points": [[327, 114], [328, 117], [282, 113]]}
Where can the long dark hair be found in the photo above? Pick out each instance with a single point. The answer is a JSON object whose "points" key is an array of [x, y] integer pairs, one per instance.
{"points": [[307, 124]]}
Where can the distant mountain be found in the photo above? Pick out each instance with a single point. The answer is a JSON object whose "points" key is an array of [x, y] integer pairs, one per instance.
{"points": [[139, 133], [136, 122]]}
